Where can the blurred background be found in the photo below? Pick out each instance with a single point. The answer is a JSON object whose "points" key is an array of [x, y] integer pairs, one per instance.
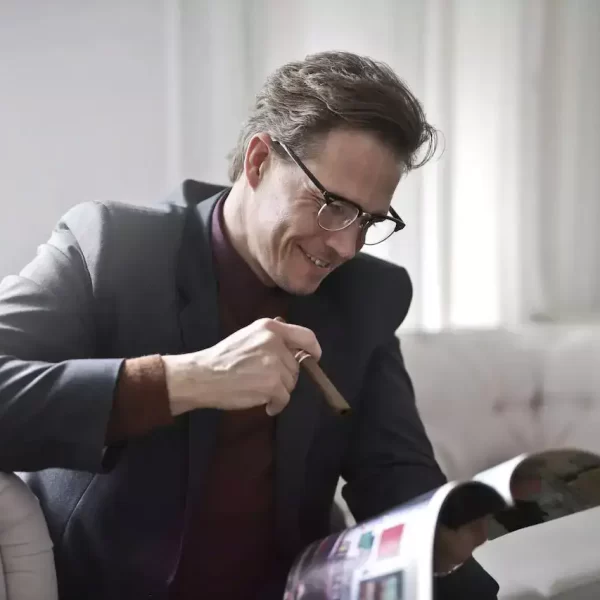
{"points": [[122, 99]]}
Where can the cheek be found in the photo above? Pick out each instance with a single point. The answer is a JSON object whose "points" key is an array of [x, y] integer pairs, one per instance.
{"points": [[281, 222], [296, 225], [275, 232], [269, 220]]}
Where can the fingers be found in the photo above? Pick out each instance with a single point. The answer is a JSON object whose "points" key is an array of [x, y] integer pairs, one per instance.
{"points": [[478, 532], [454, 547], [297, 337], [289, 377], [279, 400], [447, 549], [273, 409], [285, 363], [525, 487], [281, 341]]}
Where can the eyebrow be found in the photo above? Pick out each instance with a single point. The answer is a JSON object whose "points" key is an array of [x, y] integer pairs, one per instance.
{"points": [[336, 196]]}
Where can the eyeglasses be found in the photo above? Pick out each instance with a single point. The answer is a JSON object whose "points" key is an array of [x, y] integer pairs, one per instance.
{"points": [[338, 213]]}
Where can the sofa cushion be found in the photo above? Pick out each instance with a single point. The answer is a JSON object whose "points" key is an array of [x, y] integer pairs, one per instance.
{"points": [[570, 413], [477, 393]]}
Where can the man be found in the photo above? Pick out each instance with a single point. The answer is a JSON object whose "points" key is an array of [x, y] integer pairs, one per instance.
{"points": [[146, 385]]}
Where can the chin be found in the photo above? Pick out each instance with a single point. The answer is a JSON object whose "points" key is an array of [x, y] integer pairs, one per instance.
{"points": [[298, 277], [297, 288], [299, 285]]}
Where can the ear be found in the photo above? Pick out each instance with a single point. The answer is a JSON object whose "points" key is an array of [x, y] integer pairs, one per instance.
{"points": [[255, 161]]}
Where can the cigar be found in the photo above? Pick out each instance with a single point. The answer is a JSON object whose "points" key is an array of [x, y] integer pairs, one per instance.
{"points": [[332, 396]]}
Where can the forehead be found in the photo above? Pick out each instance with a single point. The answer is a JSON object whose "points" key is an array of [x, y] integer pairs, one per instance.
{"points": [[358, 166]]}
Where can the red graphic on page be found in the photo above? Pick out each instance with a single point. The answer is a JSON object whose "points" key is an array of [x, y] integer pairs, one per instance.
{"points": [[390, 542]]}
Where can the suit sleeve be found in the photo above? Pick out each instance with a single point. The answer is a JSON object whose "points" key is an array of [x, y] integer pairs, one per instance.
{"points": [[391, 461], [55, 398]]}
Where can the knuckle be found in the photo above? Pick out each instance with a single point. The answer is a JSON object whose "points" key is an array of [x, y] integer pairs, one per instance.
{"points": [[268, 335], [267, 324], [269, 361], [261, 328], [263, 338]]}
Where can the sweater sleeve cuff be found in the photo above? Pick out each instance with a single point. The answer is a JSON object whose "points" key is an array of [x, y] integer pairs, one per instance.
{"points": [[141, 400], [470, 582]]}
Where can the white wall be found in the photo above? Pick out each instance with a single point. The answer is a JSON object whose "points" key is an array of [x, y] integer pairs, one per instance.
{"points": [[83, 111]]}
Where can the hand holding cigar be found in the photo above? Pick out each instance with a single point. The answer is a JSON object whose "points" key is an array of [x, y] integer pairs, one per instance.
{"points": [[332, 396]]}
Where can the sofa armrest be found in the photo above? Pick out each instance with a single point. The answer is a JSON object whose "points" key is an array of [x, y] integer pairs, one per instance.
{"points": [[27, 560]]}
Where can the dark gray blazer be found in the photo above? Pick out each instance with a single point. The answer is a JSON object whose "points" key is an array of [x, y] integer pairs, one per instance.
{"points": [[117, 281]]}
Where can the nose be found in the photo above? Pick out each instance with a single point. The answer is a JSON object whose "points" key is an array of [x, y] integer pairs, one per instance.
{"points": [[346, 242]]}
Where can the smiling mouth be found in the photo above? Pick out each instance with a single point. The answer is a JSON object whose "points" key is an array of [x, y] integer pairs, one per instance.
{"points": [[317, 261]]}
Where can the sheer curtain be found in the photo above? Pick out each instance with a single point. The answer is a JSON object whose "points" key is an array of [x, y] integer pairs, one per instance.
{"points": [[567, 211], [501, 225]]}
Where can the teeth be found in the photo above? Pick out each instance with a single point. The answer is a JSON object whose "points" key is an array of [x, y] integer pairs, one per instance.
{"points": [[320, 263], [317, 261]]}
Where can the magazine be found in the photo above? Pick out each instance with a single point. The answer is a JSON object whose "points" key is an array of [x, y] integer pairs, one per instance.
{"points": [[391, 557]]}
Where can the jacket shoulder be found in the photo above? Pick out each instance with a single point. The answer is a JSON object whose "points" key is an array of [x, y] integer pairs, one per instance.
{"points": [[95, 219], [373, 291], [118, 239]]}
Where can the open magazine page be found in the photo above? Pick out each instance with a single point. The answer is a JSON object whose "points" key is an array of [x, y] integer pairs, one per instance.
{"points": [[381, 559], [542, 487]]}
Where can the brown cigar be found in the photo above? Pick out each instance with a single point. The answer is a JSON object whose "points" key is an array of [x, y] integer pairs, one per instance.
{"points": [[335, 400], [331, 393]]}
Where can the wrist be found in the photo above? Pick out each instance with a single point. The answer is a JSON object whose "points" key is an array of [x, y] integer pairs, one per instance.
{"points": [[186, 386], [446, 572]]}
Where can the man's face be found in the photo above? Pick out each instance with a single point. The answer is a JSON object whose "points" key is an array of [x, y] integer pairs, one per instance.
{"points": [[284, 237]]}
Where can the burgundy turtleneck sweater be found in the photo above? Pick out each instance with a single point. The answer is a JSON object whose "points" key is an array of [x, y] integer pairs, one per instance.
{"points": [[229, 548]]}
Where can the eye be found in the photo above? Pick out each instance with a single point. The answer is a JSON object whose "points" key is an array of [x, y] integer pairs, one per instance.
{"points": [[338, 209]]}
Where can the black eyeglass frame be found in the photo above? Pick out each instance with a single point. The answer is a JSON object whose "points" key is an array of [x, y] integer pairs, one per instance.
{"points": [[328, 197]]}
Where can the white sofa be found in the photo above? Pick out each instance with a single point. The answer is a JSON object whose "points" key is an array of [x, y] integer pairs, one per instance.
{"points": [[487, 396], [26, 557]]}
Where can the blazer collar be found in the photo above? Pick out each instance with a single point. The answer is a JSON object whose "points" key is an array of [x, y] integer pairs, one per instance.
{"points": [[195, 274], [198, 320]]}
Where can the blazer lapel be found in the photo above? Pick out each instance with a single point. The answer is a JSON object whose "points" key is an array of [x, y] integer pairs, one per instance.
{"points": [[199, 323], [298, 422], [199, 314]]}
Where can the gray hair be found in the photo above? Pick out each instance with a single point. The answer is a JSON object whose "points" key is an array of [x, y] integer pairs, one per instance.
{"points": [[303, 100]]}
